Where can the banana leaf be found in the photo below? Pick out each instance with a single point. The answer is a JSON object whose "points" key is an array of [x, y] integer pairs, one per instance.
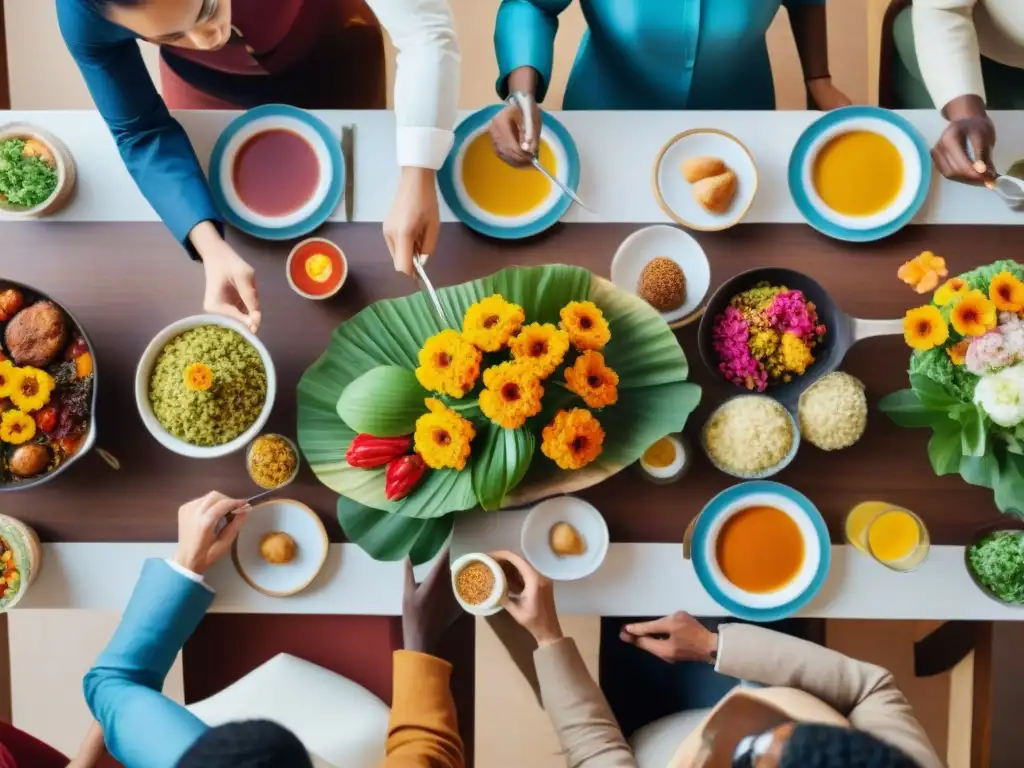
{"points": [[654, 400]]}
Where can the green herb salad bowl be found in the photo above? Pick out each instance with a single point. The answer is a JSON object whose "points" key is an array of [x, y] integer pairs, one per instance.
{"points": [[20, 561], [40, 143], [1011, 527]]}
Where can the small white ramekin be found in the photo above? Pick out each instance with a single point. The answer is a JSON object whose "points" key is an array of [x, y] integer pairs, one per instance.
{"points": [[494, 603]]}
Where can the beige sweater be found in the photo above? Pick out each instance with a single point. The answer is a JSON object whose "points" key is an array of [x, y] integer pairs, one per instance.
{"points": [[865, 695], [949, 35]]}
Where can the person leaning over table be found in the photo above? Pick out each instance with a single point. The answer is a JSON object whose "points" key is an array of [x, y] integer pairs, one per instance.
{"points": [[651, 54], [964, 57], [243, 53], [145, 729], [821, 709]]}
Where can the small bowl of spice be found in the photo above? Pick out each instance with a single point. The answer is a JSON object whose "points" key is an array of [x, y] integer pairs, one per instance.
{"points": [[479, 583], [272, 461]]}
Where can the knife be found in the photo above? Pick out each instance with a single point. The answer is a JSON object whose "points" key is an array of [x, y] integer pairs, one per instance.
{"points": [[558, 183], [347, 140], [417, 262]]}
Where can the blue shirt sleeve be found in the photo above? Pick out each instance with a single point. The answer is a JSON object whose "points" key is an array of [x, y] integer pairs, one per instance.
{"points": [[524, 36], [153, 144], [142, 727]]}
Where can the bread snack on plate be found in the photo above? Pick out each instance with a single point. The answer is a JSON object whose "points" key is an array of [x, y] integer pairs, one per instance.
{"points": [[715, 193], [702, 167]]}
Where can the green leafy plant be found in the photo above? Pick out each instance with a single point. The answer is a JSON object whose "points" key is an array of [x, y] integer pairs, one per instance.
{"points": [[364, 383], [25, 180], [998, 562]]}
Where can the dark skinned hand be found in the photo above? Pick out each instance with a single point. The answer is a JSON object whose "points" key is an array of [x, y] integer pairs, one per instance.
{"points": [[678, 637], [428, 609], [969, 126]]}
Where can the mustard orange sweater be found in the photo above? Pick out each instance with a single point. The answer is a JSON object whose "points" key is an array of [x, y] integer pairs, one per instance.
{"points": [[424, 731]]}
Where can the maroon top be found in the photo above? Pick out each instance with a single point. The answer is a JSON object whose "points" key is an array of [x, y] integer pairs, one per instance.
{"points": [[19, 750]]}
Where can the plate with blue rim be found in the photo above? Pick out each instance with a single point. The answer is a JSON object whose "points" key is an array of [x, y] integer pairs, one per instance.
{"points": [[793, 596], [504, 227], [306, 216], [913, 191]]}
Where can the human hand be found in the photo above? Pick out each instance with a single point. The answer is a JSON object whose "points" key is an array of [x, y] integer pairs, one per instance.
{"points": [[414, 222], [200, 545], [534, 608], [678, 637], [825, 95], [515, 135], [429, 608], [968, 123], [230, 281]]}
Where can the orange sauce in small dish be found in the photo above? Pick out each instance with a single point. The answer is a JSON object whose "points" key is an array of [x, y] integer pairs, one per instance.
{"points": [[760, 549], [317, 268]]}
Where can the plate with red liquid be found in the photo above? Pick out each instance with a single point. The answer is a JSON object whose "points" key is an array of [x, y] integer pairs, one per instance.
{"points": [[277, 172]]}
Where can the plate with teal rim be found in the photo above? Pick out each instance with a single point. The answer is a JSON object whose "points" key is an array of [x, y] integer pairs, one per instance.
{"points": [[768, 606], [506, 227], [913, 190], [321, 193]]}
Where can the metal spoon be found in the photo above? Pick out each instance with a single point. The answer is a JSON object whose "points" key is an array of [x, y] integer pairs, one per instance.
{"points": [[1010, 188], [428, 287]]}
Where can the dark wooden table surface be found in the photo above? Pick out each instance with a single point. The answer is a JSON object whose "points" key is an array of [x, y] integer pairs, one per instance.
{"points": [[127, 281]]}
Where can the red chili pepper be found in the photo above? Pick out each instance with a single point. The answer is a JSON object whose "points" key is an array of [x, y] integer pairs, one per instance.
{"points": [[403, 475], [46, 420], [367, 451]]}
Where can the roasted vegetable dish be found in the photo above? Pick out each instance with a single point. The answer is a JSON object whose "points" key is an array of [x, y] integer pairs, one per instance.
{"points": [[46, 386], [10, 577]]}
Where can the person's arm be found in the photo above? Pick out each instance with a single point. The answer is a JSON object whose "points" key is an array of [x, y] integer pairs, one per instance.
{"points": [[91, 749], [524, 42], [587, 730], [947, 51], [809, 22], [865, 694], [423, 730]]}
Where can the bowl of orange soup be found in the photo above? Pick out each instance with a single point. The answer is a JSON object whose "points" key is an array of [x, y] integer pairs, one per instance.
{"points": [[761, 550], [316, 268], [859, 173], [495, 199]]}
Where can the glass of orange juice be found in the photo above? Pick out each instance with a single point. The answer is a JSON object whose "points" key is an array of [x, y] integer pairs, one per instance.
{"points": [[895, 537]]}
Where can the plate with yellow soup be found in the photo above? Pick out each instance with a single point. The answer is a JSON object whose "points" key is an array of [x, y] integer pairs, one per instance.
{"points": [[495, 199], [761, 550], [859, 173]]}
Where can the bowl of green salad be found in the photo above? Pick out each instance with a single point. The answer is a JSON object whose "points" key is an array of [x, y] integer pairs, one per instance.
{"points": [[37, 172], [995, 561]]}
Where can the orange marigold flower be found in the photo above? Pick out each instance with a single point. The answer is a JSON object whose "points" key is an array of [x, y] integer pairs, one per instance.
{"points": [[442, 437], [922, 273], [198, 377], [949, 290], [973, 314], [542, 347], [924, 328], [1006, 292], [590, 378], [513, 394], [448, 364], [573, 439], [492, 322], [585, 324], [958, 352]]}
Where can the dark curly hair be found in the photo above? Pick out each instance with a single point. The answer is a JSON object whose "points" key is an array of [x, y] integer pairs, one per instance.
{"points": [[248, 744], [826, 746]]}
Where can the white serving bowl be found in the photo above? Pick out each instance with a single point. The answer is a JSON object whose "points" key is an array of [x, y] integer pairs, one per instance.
{"points": [[66, 172], [145, 370], [311, 547], [581, 515], [765, 473]]}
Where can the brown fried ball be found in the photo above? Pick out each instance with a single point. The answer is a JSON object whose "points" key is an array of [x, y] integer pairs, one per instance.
{"points": [[277, 548], [29, 460], [11, 302], [36, 335], [662, 284]]}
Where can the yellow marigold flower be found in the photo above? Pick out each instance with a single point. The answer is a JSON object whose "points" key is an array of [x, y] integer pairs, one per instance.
{"points": [[17, 427], [9, 376], [590, 378], [958, 352], [198, 377], [448, 364], [513, 394], [796, 355], [491, 323], [573, 439], [442, 437], [541, 347], [585, 324], [922, 273], [973, 314], [924, 328], [1006, 292], [949, 290], [32, 389]]}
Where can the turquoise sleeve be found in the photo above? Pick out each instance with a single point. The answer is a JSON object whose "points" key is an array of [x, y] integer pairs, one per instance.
{"points": [[524, 36], [142, 727]]}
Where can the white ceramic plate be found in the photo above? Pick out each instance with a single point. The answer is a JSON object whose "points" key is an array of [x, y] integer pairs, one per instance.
{"points": [[145, 370], [536, 538], [675, 194], [646, 244], [298, 521]]}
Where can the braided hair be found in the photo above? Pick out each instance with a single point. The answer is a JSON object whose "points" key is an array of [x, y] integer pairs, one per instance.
{"points": [[827, 746], [248, 744]]}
